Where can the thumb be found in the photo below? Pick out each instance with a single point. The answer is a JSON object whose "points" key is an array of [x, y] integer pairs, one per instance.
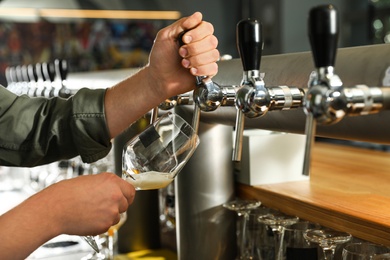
{"points": [[188, 23]]}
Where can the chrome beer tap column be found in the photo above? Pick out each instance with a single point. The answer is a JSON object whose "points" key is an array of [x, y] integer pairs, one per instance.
{"points": [[327, 101], [253, 98]]}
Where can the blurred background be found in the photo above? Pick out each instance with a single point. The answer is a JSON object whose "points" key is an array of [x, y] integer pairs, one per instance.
{"points": [[42, 30]]}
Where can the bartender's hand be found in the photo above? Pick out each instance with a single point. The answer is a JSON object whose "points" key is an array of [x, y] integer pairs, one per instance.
{"points": [[86, 205], [170, 71], [173, 67], [91, 204]]}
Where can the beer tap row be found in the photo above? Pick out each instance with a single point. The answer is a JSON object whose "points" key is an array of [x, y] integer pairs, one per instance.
{"points": [[47, 79], [325, 101]]}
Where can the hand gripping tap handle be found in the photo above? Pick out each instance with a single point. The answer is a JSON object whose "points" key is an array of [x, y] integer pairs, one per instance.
{"points": [[200, 80], [323, 33], [249, 41]]}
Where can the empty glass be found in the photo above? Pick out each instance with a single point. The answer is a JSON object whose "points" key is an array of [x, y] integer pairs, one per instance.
{"points": [[364, 251], [278, 222], [327, 239], [259, 242], [296, 246], [152, 159], [242, 209]]}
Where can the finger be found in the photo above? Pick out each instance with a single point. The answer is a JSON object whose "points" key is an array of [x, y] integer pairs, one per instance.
{"points": [[116, 219], [209, 43], [201, 59], [203, 30], [123, 205], [189, 22], [205, 70], [128, 190]]}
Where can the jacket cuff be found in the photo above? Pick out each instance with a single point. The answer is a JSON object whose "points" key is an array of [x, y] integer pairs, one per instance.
{"points": [[89, 126]]}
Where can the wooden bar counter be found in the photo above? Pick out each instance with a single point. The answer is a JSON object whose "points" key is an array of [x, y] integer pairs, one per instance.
{"points": [[349, 190]]}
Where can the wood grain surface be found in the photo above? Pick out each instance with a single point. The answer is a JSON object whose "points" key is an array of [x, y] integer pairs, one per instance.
{"points": [[349, 190]]}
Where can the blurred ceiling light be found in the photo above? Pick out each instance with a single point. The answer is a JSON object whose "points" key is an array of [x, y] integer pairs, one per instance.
{"points": [[36, 14], [109, 14]]}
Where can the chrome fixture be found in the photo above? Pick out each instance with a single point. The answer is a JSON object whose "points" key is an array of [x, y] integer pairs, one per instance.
{"points": [[254, 98], [327, 101]]}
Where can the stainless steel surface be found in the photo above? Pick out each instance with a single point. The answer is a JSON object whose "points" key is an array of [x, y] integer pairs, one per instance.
{"points": [[205, 230]]}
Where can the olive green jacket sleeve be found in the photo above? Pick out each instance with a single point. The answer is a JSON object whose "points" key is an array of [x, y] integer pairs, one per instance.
{"points": [[36, 131]]}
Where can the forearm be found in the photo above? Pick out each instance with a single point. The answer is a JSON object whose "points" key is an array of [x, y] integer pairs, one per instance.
{"points": [[170, 71], [65, 207], [25, 228], [131, 99]]}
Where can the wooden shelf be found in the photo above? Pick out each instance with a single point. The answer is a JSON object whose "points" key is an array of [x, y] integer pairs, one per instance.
{"points": [[349, 190]]}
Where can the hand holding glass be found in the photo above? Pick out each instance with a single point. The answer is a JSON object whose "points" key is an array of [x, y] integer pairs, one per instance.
{"points": [[152, 159]]}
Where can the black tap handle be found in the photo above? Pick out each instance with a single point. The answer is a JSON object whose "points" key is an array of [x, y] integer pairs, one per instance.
{"points": [[48, 71], [323, 29], [181, 43], [39, 72], [32, 73], [12, 73], [249, 38], [8, 75], [19, 75], [180, 38], [61, 67], [25, 76]]}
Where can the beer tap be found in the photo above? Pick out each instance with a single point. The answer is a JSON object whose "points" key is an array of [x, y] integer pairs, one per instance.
{"points": [[25, 79], [327, 101], [21, 84], [32, 75], [323, 102], [10, 75], [254, 98], [208, 95], [61, 72], [49, 73], [39, 91]]}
